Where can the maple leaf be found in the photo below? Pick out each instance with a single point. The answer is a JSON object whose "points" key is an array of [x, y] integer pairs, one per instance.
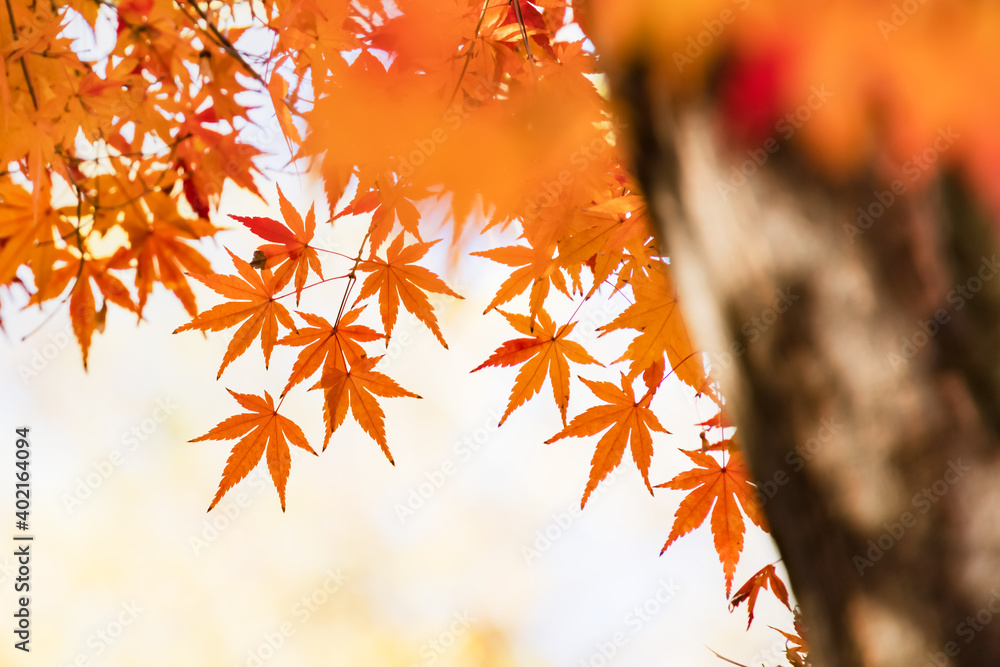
{"points": [[261, 429], [725, 445], [26, 232], [720, 420], [277, 87], [356, 387], [388, 201], [797, 652], [656, 315], [205, 154], [253, 301], [612, 227], [161, 252], [290, 243], [547, 351], [537, 270], [393, 203], [748, 591], [729, 489], [84, 315], [397, 279], [629, 423], [327, 345], [509, 29]]}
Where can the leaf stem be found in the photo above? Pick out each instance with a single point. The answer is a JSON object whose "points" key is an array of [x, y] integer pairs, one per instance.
{"points": [[351, 278], [333, 252], [572, 317], [305, 287]]}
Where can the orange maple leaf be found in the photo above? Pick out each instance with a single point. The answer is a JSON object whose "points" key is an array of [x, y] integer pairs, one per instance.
{"points": [[547, 352], [537, 270], [613, 227], [289, 243], [796, 647], [84, 315], [393, 203], [260, 429], [731, 488], [253, 301], [337, 346], [388, 201], [630, 422], [657, 316], [720, 420], [748, 591], [162, 253], [397, 279], [278, 89], [509, 28], [356, 387], [25, 232]]}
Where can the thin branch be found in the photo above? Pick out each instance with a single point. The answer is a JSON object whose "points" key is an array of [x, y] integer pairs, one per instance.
{"points": [[224, 42], [524, 32], [351, 279], [468, 56], [24, 65], [732, 662], [305, 287]]}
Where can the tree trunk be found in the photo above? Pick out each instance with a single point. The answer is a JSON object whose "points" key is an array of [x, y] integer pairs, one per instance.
{"points": [[859, 360]]}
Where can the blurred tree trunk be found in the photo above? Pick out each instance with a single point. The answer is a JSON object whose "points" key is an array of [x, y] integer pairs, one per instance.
{"points": [[860, 363]]}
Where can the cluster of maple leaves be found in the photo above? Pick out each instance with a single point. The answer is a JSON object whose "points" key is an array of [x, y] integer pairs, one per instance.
{"points": [[116, 164]]}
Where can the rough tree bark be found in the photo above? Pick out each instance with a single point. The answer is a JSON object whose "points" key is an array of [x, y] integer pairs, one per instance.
{"points": [[871, 404]]}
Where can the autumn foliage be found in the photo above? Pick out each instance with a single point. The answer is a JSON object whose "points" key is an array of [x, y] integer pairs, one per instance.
{"points": [[431, 121]]}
